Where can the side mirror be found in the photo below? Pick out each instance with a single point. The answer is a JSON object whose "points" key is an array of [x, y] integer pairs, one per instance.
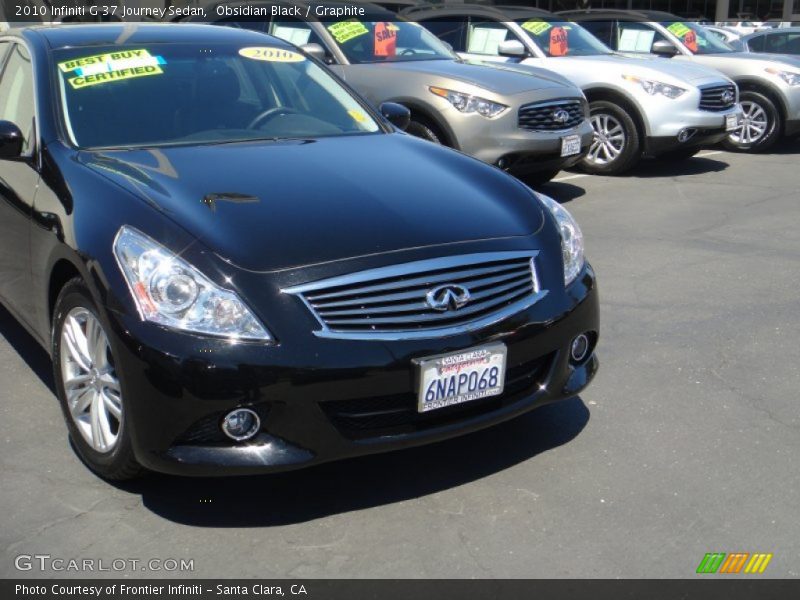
{"points": [[664, 48], [397, 114], [11, 140], [512, 49], [316, 51]]}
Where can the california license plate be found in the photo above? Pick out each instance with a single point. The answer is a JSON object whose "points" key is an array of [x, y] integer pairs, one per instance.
{"points": [[570, 145], [461, 377], [731, 122]]}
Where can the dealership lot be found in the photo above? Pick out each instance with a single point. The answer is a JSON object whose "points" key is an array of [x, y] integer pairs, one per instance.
{"points": [[686, 443]]}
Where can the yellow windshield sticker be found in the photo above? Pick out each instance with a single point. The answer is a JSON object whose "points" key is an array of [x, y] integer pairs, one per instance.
{"points": [[347, 30], [358, 116], [678, 29], [83, 81], [271, 54], [111, 66], [536, 27]]}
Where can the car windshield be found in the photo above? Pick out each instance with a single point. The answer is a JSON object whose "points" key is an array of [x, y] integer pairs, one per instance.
{"points": [[697, 39], [384, 41], [561, 38], [176, 94]]}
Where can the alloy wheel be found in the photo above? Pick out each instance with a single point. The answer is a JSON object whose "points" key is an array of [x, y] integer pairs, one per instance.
{"points": [[91, 386], [609, 139], [754, 124]]}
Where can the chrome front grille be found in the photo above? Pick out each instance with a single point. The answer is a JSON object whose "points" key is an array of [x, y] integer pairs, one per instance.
{"points": [[398, 302], [551, 116], [714, 97]]}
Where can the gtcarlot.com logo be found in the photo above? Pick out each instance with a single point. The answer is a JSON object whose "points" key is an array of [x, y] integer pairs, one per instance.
{"points": [[734, 563], [46, 562]]}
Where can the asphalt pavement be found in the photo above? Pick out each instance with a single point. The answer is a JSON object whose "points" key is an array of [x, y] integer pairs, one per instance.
{"points": [[687, 442]]}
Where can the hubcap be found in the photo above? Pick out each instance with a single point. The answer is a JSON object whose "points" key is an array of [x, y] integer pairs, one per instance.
{"points": [[609, 139], [754, 124], [92, 389]]}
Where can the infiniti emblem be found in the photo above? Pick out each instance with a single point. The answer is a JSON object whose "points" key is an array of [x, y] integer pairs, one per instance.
{"points": [[449, 296], [728, 97], [560, 116]]}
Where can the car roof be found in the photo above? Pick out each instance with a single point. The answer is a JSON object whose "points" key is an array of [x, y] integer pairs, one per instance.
{"points": [[500, 12], [623, 15], [772, 31], [109, 34]]}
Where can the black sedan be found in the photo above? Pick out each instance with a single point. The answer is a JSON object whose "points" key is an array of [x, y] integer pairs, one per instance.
{"points": [[240, 266]]}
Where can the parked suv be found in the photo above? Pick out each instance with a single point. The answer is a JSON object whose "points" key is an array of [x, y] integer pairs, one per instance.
{"points": [[769, 84], [638, 107], [501, 116]]}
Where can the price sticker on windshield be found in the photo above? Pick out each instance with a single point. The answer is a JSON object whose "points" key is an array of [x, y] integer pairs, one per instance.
{"points": [[269, 54], [345, 31], [536, 27]]}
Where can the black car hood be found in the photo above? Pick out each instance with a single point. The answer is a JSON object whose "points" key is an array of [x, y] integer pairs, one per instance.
{"points": [[279, 204]]}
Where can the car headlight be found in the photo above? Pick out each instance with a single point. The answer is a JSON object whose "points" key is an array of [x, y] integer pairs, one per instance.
{"points": [[171, 292], [656, 87], [790, 77], [571, 238], [469, 104]]}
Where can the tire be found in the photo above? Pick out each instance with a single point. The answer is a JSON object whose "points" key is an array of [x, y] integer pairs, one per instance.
{"points": [[761, 127], [622, 149], [421, 129], [682, 154], [83, 362], [540, 178]]}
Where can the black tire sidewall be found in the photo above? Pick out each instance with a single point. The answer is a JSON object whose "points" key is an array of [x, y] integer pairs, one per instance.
{"points": [[422, 130], [75, 294], [632, 150], [774, 117]]}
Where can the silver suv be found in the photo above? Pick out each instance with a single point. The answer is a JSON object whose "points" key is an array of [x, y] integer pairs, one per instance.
{"points": [[532, 123], [638, 107], [769, 84]]}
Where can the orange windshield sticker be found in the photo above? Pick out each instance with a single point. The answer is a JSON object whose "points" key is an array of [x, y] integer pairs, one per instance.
{"points": [[558, 42], [385, 39], [690, 41]]}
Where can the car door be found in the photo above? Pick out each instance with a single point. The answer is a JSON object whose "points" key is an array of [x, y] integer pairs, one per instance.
{"points": [[19, 178]]}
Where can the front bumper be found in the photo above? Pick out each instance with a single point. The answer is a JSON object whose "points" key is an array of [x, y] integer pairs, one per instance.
{"points": [[522, 151], [706, 128], [335, 398]]}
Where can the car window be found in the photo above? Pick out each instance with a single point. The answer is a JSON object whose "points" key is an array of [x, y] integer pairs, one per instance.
{"points": [[602, 30], [207, 94], [781, 43], [562, 38], [387, 41], [485, 37], [697, 38], [636, 37], [756, 44], [449, 29], [16, 94]]}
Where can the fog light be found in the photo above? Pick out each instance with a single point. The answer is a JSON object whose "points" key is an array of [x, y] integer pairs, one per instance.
{"points": [[686, 134], [241, 424], [579, 348]]}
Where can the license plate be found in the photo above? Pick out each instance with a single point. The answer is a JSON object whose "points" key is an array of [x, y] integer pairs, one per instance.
{"points": [[570, 145], [731, 122], [461, 377]]}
